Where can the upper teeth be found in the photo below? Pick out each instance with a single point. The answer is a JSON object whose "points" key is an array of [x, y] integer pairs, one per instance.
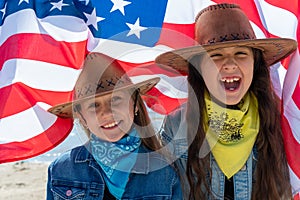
{"points": [[229, 80], [110, 125]]}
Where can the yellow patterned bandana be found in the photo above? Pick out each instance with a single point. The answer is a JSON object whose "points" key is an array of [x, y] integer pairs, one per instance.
{"points": [[231, 133]]}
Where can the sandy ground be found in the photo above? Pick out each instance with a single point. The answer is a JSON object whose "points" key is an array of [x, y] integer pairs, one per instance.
{"points": [[23, 180]]}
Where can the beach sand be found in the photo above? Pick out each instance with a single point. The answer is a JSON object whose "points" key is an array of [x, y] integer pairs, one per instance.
{"points": [[23, 180]]}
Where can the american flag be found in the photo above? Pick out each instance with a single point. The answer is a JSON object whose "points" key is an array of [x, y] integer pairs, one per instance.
{"points": [[44, 42]]}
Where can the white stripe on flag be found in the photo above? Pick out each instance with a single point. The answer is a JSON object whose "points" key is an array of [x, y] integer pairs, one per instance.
{"points": [[292, 114], [272, 19], [38, 75], [295, 182], [40, 120], [59, 27], [291, 111], [184, 12], [129, 52]]}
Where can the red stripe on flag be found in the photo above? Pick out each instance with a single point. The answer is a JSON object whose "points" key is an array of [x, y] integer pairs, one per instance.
{"points": [[291, 145], [69, 54], [19, 97], [26, 149], [292, 6], [296, 95], [161, 103], [177, 35], [297, 196]]}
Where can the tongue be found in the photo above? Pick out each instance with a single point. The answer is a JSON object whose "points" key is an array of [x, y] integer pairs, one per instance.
{"points": [[231, 86]]}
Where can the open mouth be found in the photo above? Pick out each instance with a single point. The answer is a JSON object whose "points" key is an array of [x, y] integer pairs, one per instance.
{"points": [[110, 125], [231, 84]]}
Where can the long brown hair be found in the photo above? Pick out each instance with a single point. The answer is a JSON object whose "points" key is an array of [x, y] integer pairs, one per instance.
{"points": [[143, 124], [271, 173]]}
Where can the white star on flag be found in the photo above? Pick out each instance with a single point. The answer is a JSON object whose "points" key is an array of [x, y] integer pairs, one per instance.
{"points": [[119, 5], [3, 10], [58, 5], [135, 28], [21, 1], [91, 19]]}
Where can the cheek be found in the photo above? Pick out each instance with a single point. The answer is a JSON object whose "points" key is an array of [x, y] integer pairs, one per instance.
{"points": [[92, 121], [124, 109], [90, 118], [130, 112], [210, 77], [209, 70], [124, 112], [248, 75]]}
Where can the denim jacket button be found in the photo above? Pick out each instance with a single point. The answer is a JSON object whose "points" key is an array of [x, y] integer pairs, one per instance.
{"points": [[69, 193]]}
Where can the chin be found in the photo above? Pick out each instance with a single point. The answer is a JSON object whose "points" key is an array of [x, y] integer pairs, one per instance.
{"points": [[228, 101], [233, 102], [112, 139]]}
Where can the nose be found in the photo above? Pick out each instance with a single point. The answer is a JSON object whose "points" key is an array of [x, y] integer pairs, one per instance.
{"points": [[105, 109], [229, 64]]}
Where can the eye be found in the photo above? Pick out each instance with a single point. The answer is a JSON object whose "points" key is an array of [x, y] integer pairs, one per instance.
{"points": [[241, 53], [116, 99], [214, 55], [93, 105]]}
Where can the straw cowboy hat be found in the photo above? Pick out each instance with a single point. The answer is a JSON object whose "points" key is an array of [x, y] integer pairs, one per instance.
{"points": [[100, 75], [225, 25]]}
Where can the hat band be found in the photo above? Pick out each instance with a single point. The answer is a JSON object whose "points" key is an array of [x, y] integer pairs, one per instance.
{"points": [[229, 37], [104, 85]]}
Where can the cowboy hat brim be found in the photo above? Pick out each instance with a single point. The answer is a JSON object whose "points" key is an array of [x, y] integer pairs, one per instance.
{"points": [[273, 49], [65, 110]]}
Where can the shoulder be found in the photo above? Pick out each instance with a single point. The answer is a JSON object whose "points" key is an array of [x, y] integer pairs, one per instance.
{"points": [[176, 116], [159, 182], [156, 161], [173, 122], [77, 164], [174, 132], [69, 155], [70, 158]]}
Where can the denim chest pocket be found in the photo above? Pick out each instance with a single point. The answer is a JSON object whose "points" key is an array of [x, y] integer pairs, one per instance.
{"points": [[75, 190]]}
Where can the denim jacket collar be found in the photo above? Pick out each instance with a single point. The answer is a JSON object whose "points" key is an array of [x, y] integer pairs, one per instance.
{"points": [[141, 166], [84, 155]]}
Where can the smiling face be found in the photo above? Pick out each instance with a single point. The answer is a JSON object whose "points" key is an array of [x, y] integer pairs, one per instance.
{"points": [[109, 117], [228, 73]]}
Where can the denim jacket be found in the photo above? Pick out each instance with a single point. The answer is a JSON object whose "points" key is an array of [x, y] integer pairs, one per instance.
{"points": [[174, 135], [76, 175]]}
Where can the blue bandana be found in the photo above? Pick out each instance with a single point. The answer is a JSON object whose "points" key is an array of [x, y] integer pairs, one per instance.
{"points": [[116, 160]]}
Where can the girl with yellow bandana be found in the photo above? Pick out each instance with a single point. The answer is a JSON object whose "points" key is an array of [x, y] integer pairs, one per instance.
{"points": [[231, 121]]}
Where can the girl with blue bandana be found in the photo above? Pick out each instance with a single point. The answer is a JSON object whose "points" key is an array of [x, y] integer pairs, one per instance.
{"points": [[123, 158]]}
